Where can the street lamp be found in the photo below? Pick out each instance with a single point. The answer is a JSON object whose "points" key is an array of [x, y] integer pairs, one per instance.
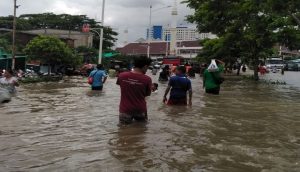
{"points": [[150, 21], [14, 36], [101, 34], [100, 43]]}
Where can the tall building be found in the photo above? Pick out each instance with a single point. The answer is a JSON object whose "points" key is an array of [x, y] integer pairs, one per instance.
{"points": [[160, 33], [183, 34], [173, 29]]}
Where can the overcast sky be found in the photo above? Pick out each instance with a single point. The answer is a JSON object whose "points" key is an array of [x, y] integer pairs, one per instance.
{"points": [[119, 14]]}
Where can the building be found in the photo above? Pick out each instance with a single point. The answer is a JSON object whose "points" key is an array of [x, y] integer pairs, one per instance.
{"points": [[186, 34], [159, 49], [24, 37], [80, 38], [158, 32], [73, 39], [286, 52]]}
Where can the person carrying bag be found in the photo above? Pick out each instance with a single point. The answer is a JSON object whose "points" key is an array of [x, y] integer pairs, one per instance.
{"points": [[97, 78], [91, 78], [212, 78]]}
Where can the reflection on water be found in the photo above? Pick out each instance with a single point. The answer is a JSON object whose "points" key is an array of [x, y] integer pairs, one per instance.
{"points": [[66, 127]]}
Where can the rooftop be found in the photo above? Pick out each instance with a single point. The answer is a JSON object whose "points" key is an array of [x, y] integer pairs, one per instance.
{"points": [[156, 48]]}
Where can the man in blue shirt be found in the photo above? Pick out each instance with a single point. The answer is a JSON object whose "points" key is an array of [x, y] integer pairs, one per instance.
{"points": [[179, 86], [99, 78]]}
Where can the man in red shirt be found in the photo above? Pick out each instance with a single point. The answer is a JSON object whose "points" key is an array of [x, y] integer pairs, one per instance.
{"points": [[135, 87]]}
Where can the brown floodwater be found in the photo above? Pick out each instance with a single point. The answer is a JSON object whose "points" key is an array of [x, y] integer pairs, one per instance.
{"points": [[66, 127]]}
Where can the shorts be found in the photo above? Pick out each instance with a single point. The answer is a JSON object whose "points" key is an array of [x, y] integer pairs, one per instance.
{"points": [[179, 102], [99, 88], [126, 118], [215, 91]]}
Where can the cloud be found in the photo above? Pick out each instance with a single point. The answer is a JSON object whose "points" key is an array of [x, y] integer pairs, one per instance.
{"points": [[138, 3], [62, 7], [119, 14]]}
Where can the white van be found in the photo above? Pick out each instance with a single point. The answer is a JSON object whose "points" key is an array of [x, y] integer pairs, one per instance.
{"points": [[274, 63]]}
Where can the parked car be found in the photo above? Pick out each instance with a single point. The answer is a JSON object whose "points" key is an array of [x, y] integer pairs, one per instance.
{"points": [[293, 65]]}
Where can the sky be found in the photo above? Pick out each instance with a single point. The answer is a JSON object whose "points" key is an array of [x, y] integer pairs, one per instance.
{"points": [[121, 15]]}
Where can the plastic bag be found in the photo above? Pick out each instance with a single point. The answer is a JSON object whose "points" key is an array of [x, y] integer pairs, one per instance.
{"points": [[90, 80], [213, 67]]}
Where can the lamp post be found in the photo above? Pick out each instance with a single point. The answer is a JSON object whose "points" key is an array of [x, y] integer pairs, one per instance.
{"points": [[149, 28], [100, 44], [101, 33], [14, 37]]}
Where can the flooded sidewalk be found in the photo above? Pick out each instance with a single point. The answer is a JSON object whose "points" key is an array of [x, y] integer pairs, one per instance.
{"points": [[66, 127]]}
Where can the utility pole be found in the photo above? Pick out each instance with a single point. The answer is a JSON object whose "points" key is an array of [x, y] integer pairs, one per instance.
{"points": [[149, 28], [14, 37], [101, 33], [173, 40], [150, 36]]}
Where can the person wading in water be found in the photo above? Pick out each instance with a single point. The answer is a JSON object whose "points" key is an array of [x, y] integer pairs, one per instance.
{"points": [[135, 87], [99, 78], [179, 86], [212, 80]]}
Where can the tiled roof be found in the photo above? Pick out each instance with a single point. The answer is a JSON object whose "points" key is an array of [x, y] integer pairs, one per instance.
{"points": [[156, 48]]}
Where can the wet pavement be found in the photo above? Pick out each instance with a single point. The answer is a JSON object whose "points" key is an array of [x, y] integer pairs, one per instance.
{"points": [[66, 127]]}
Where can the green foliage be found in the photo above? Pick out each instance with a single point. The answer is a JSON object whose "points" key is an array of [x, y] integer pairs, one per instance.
{"points": [[50, 50], [4, 44], [87, 52], [109, 38], [247, 29], [60, 21]]}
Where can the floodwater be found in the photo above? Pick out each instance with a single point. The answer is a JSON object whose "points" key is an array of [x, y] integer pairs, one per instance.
{"points": [[289, 77], [65, 127]]}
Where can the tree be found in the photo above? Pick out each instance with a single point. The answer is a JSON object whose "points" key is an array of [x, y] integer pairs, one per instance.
{"points": [[256, 26], [60, 21], [50, 50], [4, 44], [90, 55], [224, 47], [109, 38]]}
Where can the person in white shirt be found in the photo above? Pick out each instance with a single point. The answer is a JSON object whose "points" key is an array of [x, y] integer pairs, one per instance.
{"points": [[9, 81]]}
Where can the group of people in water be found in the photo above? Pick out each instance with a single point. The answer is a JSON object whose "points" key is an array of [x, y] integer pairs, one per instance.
{"points": [[135, 86]]}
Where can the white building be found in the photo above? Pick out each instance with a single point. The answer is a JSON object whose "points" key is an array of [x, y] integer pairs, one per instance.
{"points": [[186, 34], [182, 33]]}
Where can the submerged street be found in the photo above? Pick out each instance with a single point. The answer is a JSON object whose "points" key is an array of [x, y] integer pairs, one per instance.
{"points": [[66, 127]]}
